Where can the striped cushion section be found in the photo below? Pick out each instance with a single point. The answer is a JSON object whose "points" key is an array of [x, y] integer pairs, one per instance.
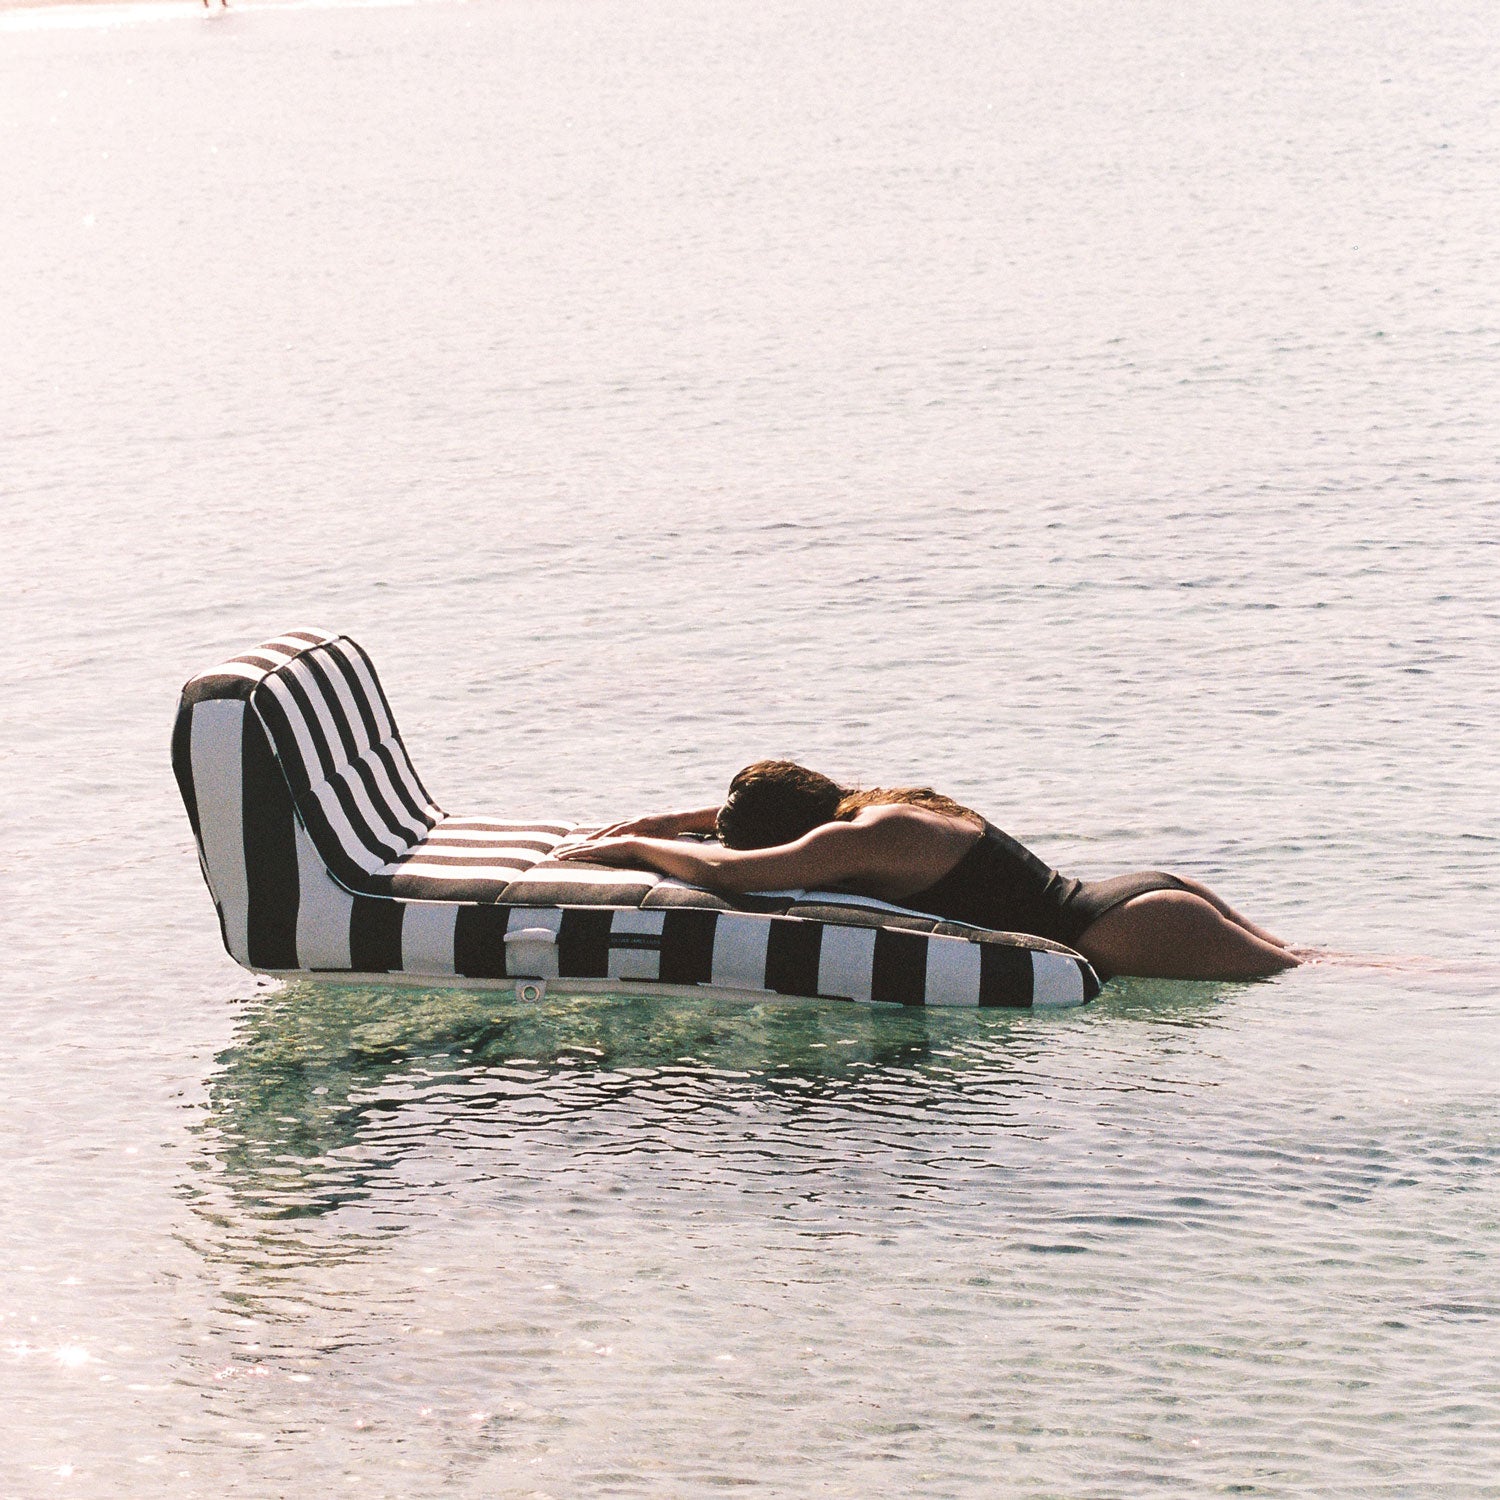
{"points": [[475, 859], [745, 951]]}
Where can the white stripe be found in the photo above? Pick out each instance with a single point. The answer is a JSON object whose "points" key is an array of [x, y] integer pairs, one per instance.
{"points": [[377, 823], [535, 960], [406, 821], [636, 963], [845, 961], [290, 642], [345, 696], [216, 750], [740, 951], [511, 827], [502, 853], [380, 819], [276, 653], [409, 778], [952, 971], [377, 820], [306, 747], [368, 861], [460, 839], [427, 937], [454, 872], [367, 683], [1056, 979], [323, 908], [229, 669]]}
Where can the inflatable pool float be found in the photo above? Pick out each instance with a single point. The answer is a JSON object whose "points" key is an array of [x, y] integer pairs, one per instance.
{"points": [[327, 859]]}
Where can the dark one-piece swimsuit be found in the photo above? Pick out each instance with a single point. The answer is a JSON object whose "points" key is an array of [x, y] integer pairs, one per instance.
{"points": [[1000, 883]]}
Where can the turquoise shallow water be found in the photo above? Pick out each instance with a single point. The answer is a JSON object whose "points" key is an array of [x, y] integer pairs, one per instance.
{"points": [[1090, 411]]}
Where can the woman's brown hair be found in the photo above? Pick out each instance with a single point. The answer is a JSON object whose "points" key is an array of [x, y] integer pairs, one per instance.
{"points": [[774, 802]]}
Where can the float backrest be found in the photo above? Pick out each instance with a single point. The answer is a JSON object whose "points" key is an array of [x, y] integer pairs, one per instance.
{"points": [[291, 768], [353, 784]]}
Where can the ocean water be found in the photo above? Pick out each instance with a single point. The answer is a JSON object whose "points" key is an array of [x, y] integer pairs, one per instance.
{"points": [[1089, 409]]}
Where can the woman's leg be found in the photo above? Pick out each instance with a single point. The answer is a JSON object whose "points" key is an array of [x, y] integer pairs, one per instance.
{"points": [[1179, 935]]}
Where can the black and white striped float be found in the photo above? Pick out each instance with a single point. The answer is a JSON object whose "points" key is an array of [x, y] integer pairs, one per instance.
{"points": [[327, 858]]}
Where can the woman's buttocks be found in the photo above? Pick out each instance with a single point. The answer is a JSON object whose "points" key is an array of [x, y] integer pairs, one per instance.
{"points": [[1092, 898]]}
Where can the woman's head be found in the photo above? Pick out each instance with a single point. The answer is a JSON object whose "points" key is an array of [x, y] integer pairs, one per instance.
{"points": [[775, 802]]}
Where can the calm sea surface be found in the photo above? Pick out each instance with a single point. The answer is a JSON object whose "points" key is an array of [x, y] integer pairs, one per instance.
{"points": [[1089, 408]]}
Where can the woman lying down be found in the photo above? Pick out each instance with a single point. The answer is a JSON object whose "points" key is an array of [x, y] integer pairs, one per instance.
{"points": [[783, 826]]}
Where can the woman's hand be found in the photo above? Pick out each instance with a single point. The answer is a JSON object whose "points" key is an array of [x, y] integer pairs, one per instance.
{"points": [[605, 849], [650, 826], [823, 857]]}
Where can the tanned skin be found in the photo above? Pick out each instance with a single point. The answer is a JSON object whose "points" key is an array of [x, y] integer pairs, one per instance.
{"points": [[893, 851]]}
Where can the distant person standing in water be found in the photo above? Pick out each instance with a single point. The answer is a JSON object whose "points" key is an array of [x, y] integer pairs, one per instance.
{"points": [[783, 826]]}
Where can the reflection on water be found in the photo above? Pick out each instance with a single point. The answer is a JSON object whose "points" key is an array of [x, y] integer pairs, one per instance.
{"points": [[325, 1084], [481, 1229]]}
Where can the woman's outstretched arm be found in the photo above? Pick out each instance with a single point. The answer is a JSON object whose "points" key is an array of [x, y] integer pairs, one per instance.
{"points": [[878, 849], [664, 825]]}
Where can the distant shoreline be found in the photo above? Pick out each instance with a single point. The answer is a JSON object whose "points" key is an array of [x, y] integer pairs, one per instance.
{"points": [[92, 4]]}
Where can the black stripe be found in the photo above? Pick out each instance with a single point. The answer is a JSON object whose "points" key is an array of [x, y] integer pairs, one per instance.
{"points": [[1005, 975], [687, 945], [407, 770], [357, 690], [342, 866], [216, 685], [182, 763], [434, 888], [332, 702], [270, 853], [409, 778], [385, 850], [583, 944], [274, 716], [479, 941], [899, 970], [310, 721], [403, 836], [425, 854], [792, 951], [410, 771], [387, 758], [343, 761], [375, 935], [529, 889], [353, 648], [646, 942]]}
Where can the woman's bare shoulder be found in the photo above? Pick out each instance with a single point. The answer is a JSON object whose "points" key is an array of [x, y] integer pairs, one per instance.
{"points": [[904, 813]]}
